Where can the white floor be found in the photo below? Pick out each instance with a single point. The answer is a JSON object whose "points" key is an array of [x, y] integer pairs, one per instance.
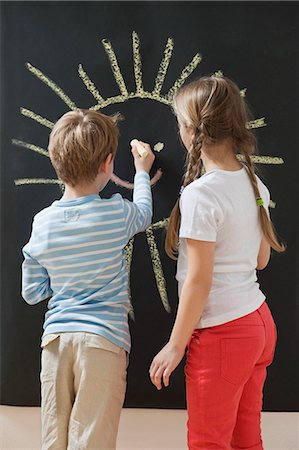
{"points": [[142, 429]]}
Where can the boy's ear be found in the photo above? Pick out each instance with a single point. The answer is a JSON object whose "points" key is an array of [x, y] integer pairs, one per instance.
{"points": [[105, 165]]}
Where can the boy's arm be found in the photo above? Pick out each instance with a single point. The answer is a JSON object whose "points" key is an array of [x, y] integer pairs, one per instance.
{"points": [[35, 279], [138, 214]]}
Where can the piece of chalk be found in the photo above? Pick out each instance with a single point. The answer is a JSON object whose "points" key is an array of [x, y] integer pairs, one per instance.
{"points": [[140, 149], [159, 146]]}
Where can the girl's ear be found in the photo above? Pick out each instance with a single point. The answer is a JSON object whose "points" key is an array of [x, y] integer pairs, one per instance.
{"points": [[105, 165]]}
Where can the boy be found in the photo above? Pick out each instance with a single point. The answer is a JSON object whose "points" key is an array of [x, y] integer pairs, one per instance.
{"points": [[75, 259]]}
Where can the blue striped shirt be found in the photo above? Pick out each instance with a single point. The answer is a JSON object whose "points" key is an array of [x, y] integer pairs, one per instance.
{"points": [[75, 257]]}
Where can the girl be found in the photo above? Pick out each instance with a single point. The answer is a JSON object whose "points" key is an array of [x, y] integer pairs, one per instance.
{"points": [[221, 230]]}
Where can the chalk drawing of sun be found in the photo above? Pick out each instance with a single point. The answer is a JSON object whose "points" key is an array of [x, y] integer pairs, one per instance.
{"points": [[124, 96]]}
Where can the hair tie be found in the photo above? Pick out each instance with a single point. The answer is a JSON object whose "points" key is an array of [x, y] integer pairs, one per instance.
{"points": [[259, 201]]}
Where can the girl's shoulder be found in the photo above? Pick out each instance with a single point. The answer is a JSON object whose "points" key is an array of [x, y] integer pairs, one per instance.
{"points": [[220, 184], [204, 189], [212, 181]]}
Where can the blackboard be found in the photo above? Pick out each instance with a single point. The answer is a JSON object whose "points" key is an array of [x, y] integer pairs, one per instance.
{"points": [[254, 43]]}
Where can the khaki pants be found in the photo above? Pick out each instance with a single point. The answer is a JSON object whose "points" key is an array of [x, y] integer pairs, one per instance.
{"points": [[83, 383]]}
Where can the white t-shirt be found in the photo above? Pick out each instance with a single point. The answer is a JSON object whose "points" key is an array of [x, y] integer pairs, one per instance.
{"points": [[221, 207]]}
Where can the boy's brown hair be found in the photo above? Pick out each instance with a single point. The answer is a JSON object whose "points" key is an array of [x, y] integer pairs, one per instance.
{"points": [[79, 142]]}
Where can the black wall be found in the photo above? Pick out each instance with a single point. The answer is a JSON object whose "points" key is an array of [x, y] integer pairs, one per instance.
{"points": [[255, 44]]}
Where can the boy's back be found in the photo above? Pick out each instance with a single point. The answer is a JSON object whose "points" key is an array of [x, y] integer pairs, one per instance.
{"points": [[76, 256]]}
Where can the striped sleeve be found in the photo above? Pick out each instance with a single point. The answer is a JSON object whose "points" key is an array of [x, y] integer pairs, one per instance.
{"points": [[138, 214], [35, 279]]}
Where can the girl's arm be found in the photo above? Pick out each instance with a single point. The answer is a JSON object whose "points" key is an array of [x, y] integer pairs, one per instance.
{"points": [[263, 255], [196, 288]]}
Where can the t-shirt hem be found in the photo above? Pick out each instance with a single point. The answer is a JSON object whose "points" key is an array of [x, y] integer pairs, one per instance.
{"points": [[232, 315], [56, 330]]}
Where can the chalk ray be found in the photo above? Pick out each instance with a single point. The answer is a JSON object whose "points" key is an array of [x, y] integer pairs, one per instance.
{"points": [[163, 223], [46, 80], [137, 64], [263, 159], [32, 147], [257, 123], [24, 181], [39, 119], [186, 72], [163, 68], [115, 67], [157, 268], [90, 85], [128, 256]]}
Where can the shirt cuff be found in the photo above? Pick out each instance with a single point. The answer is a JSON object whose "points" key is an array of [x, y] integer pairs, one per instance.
{"points": [[142, 174]]}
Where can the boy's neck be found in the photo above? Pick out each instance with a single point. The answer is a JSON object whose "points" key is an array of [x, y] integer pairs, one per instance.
{"points": [[73, 192]]}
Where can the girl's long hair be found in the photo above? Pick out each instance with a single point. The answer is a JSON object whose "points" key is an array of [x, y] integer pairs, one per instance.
{"points": [[213, 108]]}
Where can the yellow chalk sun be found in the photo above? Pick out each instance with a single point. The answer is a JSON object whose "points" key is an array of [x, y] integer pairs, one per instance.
{"points": [[123, 96]]}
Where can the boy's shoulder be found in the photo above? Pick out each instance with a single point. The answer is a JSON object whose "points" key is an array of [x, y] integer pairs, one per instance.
{"points": [[115, 198], [116, 201], [43, 213]]}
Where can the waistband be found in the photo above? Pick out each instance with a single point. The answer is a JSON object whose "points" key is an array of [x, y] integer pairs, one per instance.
{"points": [[255, 318]]}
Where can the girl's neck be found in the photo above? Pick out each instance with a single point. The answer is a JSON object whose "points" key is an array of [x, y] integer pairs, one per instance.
{"points": [[220, 156]]}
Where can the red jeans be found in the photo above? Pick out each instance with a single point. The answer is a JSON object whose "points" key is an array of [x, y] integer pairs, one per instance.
{"points": [[225, 374]]}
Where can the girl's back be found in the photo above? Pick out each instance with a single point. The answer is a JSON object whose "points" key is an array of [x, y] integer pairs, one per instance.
{"points": [[220, 207]]}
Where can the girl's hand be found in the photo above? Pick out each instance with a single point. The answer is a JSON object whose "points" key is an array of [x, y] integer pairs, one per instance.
{"points": [[164, 364], [141, 162]]}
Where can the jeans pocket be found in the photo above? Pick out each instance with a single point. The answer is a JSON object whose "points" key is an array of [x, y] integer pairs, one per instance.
{"points": [[238, 358]]}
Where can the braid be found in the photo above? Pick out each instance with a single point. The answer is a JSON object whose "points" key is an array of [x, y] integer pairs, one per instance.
{"points": [[194, 162], [194, 165], [265, 221], [251, 173]]}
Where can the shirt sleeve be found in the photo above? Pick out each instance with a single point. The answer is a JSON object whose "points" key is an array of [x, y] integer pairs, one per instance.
{"points": [[138, 214], [267, 202], [265, 194], [201, 214], [35, 278]]}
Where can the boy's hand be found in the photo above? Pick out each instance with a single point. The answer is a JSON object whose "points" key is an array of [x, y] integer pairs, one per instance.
{"points": [[164, 364], [143, 162]]}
